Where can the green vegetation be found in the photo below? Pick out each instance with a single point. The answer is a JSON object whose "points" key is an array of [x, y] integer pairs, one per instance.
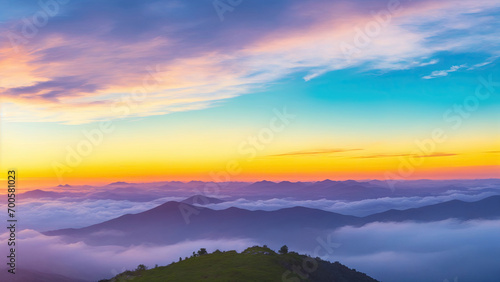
{"points": [[254, 264], [283, 250]]}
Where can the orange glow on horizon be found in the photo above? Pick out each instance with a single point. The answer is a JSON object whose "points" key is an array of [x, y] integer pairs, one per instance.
{"points": [[465, 172]]}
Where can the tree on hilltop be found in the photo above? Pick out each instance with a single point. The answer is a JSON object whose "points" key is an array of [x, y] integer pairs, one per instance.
{"points": [[283, 250]]}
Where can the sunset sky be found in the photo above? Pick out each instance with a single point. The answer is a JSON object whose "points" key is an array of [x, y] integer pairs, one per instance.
{"points": [[100, 91]]}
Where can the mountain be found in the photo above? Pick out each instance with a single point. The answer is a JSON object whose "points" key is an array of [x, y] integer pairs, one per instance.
{"points": [[348, 190], [174, 222], [340, 190], [202, 200], [269, 186], [119, 183], [126, 193], [37, 194], [488, 208], [253, 264]]}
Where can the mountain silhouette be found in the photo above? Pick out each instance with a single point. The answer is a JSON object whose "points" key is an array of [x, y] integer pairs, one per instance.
{"points": [[202, 200], [173, 222]]}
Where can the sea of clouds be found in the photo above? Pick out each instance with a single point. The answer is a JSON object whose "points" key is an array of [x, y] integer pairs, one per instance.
{"points": [[51, 214], [406, 251]]}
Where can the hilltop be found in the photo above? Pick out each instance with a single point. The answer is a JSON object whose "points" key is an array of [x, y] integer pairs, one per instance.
{"points": [[254, 264]]}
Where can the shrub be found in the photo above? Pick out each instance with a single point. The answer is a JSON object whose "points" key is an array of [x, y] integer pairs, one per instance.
{"points": [[283, 250], [141, 267]]}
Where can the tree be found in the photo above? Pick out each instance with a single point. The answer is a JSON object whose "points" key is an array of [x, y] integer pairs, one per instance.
{"points": [[283, 250], [202, 251], [141, 267], [180, 259]]}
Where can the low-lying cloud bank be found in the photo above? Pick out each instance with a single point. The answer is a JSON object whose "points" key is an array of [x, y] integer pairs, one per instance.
{"points": [[418, 252], [51, 214], [50, 255], [406, 251], [357, 208]]}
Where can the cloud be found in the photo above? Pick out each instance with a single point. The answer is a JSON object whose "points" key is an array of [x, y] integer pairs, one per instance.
{"points": [[52, 89], [383, 156], [399, 251], [431, 62], [440, 155], [437, 154], [439, 73], [48, 214], [317, 152], [385, 251], [78, 260], [177, 56], [52, 214], [482, 64], [357, 208]]}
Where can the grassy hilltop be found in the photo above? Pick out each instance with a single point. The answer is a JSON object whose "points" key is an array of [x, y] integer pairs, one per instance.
{"points": [[254, 264]]}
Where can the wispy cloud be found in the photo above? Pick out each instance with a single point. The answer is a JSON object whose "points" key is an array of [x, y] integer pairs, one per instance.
{"points": [[423, 64], [381, 156], [315, 152], [440, 155], [79, 65], [482, 64], [439, 73], [437, 154]]}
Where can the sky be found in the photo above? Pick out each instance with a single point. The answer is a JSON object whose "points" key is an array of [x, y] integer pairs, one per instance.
{"points": [[98, 91]]}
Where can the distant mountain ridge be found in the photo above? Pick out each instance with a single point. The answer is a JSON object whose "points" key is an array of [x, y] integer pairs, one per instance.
{"points": [[488, 208], [347, 190], [202, 200], [173, 222]]}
